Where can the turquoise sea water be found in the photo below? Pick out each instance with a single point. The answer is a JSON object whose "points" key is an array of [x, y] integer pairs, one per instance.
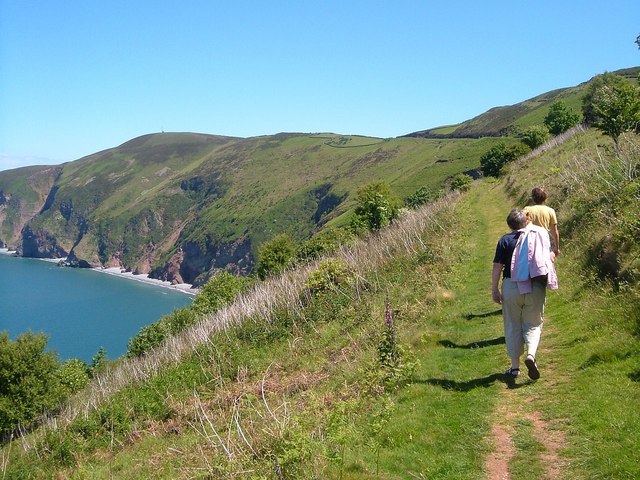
{"points": [[79, 310]]}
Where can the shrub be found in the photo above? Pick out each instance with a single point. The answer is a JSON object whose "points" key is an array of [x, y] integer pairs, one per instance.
{"points": [[498, 156], [330, 275], [275, 255], [323, 243], [461, 182], [73, 375], [29, 380], [420, 197], [218, 292], [612, 105], [151, 336], [535, 136], [376, 207], [560, 118]]}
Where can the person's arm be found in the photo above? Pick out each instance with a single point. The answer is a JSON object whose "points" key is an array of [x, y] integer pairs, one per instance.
{"points": [[555, 236], [495, 280]]}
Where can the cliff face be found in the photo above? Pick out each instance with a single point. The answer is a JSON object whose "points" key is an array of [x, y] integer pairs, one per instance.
{"points": [[23, 193]]}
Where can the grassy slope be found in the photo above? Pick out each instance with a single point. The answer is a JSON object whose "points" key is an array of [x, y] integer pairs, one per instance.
{"points": [[576, 422]]}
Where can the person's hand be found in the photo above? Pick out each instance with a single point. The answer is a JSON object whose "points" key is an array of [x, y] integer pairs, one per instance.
{"points": [[553, 256], [497, 296]]}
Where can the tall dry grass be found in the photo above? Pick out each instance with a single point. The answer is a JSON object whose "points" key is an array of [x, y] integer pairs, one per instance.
{"points": [[403, 237]]}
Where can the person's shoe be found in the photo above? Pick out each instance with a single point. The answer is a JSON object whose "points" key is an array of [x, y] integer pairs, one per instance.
{"points": [[512, 372], [532, 368]]}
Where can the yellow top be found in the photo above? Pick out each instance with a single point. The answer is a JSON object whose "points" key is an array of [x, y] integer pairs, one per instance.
{"points": [[542, 215]]}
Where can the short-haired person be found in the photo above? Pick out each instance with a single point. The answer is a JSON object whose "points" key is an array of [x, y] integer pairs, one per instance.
{"points": [[544, 216], [523, 313]]}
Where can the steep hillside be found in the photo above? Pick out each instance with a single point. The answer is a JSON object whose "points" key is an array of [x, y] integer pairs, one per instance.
{"points": [[180, 206], [394, 370], [509, 119]]}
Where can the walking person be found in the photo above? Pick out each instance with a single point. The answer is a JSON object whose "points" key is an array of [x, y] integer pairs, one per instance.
{"points": [[544, 216], [524, 260]]}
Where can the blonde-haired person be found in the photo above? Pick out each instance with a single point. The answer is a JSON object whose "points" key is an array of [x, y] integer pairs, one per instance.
{"points": [[544, 216]]}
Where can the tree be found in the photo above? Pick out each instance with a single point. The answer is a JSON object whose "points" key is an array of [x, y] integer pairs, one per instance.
{"points": [[535, 136], [29, 380], [560, 118], [376, 207], [612, 105], [498, 156], [275, 255]]}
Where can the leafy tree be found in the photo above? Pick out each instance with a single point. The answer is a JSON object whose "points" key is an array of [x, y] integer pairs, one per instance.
{"points": [[612, 105], [420, 197], [535, 136], [29, 380], [275, 255], [498, 156], [219, 291], [376, 207], [560, 118], [461, 182]]}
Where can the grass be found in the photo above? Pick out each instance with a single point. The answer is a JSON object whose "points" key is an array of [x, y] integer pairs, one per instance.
{"points": [[296, 393], [284, 385]]}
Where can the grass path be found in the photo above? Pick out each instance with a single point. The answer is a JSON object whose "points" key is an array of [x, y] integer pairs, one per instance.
{"points": [[470, 422], [525, 445]]}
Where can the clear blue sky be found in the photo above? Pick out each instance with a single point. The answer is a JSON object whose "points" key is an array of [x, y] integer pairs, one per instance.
{"points": [[77, 77]]}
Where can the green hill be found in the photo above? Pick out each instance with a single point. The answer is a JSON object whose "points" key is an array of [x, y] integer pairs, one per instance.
{"points": [[289, 382], [182, 206], [386, 359]]}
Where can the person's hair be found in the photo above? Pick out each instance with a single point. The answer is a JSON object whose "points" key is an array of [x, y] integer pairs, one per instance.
{"points": [[516, 219], [538, 195]]}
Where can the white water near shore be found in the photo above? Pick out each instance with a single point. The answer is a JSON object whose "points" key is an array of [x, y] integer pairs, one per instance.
{"points": [[118, 272]]}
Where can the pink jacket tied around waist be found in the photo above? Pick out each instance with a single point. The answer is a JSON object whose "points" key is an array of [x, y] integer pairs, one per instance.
{"points": [[532, 258]]}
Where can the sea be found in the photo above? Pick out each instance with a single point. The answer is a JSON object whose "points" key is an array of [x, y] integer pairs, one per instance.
{"points": [[80, 310]]}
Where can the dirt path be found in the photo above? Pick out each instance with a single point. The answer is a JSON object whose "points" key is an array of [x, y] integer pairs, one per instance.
{"points": [[517, 413]]}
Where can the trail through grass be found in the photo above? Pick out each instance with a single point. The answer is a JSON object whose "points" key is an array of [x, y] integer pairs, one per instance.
{"points": [[460, 418]]}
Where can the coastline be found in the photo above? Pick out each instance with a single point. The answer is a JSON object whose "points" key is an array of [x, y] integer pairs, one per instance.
{"points": [[144, 278], [118, 272]]}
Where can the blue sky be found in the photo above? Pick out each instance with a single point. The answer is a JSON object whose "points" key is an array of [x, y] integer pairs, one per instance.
{"points": [[77, 77]]}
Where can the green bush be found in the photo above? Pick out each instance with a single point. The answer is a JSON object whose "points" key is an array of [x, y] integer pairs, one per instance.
{"points": [[535, 136], [461, 182], [560, 118], [323, 243], [218, 292], [612, 105], [330, 275], [29, 380], [275, 255], [151, 336], [498, 156], [420, 197], [376, 207], [73, 375]]}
